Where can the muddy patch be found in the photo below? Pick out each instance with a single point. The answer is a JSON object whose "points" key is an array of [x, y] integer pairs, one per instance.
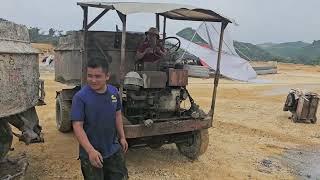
{"points": [[303, 162], [268, 166], [12, 168]]}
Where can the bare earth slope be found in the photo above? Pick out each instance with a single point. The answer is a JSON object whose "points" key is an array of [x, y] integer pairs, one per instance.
{"points": [[250, 139]]}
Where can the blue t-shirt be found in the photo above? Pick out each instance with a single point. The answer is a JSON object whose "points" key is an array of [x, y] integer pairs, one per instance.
{"points": [[98, 112]]}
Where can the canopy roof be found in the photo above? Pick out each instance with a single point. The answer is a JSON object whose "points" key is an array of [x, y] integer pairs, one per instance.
{"points": [[171, 11]]}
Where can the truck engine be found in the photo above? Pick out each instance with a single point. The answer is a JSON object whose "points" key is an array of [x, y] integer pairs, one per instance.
{"points": [[157, 96]]}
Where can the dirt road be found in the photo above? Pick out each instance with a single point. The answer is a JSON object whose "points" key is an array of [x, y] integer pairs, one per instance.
{"points": [[250, 138]]}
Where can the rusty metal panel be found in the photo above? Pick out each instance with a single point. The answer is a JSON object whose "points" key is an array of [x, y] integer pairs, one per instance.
{"points": [[68, 66], [154, 79], [14, 39], [170, 127], [19, 70], [178, 77], [19, 82], [307, 107], [100, 43]]}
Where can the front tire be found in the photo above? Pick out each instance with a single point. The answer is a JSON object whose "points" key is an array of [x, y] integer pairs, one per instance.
{"points": [[196, 145], [5, 138], [63, 114]]}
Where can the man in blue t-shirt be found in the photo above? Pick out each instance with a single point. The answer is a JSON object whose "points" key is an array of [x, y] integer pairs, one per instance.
{"points": [[97, 125]]}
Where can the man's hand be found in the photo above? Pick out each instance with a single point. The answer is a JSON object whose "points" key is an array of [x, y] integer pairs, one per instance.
{"points": [[124, 144], [148, 51], [95, 158], [160, 51]]}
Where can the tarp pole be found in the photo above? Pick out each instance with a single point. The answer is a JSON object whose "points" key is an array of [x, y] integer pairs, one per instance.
{"points": [[123, 50], [158, 22], [217, 73], [164, 27], [208, 34], [84, 60]]}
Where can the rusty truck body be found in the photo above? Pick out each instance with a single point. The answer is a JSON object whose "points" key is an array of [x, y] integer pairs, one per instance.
{"points": [[21, 89], [151, 94]]}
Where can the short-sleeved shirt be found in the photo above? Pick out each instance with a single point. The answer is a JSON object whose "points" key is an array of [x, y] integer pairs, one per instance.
{"points": [[149, 57], [98, 113]]}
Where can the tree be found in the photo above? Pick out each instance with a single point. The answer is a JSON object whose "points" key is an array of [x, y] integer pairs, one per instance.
{"points": [[60, 32], [52, 32], [34, 33]]}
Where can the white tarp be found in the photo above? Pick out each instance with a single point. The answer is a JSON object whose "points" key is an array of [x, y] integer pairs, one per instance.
{"points": [[231, 65]]}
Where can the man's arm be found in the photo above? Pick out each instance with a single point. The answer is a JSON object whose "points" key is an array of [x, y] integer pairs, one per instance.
{"points": [[119, 127], [140, 54], [94, 156], [77, 118]]}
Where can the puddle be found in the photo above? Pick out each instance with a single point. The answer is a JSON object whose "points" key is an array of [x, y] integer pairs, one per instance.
{"points": [[304, 163]]}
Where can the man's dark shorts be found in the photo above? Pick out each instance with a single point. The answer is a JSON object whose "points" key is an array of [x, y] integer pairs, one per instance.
{"points": [[114, 168]]}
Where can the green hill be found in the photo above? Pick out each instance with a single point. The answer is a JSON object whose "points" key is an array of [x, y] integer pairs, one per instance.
{"points": [[290, 52], [296, 52], [252, 52], [245, 50]]}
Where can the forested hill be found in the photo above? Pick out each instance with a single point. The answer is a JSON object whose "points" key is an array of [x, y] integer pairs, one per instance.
{"points": [[291, 52]]}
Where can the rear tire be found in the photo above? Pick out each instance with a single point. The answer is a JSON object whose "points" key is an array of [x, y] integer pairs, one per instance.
{"points": [[5, 138], [155, 146], [294, 118], [196, 146], [314, 120], [63, 115]]}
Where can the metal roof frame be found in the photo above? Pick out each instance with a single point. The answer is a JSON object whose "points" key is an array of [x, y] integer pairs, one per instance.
{"points": [[171, 11], [168, 10]]}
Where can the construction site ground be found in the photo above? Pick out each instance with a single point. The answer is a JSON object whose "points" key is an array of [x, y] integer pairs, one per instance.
{"points": [[252, 137]]}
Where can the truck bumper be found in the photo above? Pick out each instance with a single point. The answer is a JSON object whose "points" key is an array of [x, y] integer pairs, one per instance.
{"points": [[169, 127]]}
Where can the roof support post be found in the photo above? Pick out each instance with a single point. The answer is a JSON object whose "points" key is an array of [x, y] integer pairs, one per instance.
{"points": [[217, 73], [84, 59], [158, 22], [208, 34], [97, 18], [123, 18], [164, 27]]}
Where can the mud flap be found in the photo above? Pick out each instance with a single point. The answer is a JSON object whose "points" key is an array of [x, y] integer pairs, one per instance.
{"points": [[28, 123], [5, 138]]}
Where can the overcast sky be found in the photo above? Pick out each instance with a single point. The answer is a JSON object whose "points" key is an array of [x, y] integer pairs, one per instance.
{"points": [[259, 21]]}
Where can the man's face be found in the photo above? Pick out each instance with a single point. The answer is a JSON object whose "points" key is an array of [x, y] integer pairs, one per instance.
{"points": [[97, 78], [152, 39]]}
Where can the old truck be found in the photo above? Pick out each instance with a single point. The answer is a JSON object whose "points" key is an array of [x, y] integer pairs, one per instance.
{"points": [[21, 89], [152, 96]]}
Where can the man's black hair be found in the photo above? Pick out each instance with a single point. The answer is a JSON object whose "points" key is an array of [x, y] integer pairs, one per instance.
{"points": [[97, 62]]}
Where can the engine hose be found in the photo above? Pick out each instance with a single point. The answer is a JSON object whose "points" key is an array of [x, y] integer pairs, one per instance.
{"points": [[190, 98]]}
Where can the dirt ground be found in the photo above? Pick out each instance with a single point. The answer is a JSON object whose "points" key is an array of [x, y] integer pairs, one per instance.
{"points": [[249, 140]]}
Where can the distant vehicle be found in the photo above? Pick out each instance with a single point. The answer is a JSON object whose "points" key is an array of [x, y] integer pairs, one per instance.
{"points": [[152, 97], [21, 88]]}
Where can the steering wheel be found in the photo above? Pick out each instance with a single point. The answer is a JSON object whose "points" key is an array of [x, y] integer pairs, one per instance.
{"points": [[170, 45]]}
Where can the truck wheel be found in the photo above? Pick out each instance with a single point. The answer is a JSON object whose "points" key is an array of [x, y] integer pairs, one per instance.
{"points": [[196, 146], [314, 120], [63, 114], [5, 138], [155, 146], [294, 118]]}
